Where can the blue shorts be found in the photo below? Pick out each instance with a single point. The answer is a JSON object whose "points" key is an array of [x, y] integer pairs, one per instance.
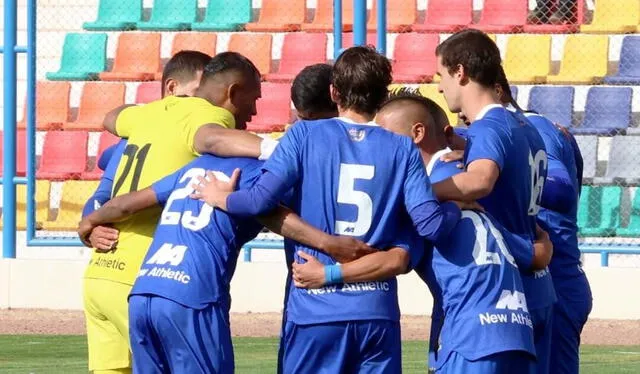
{"points": [[508, 362], [569, 316], [372, 346], [542, 320], [167, 337]]}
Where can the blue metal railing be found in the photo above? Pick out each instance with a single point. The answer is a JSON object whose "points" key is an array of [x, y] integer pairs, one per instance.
{"points": [[360, 25]]}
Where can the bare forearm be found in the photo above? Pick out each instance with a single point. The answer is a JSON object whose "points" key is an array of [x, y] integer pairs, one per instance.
{"points": [[225, 142], [462, 187], [285, 222], [112, 211], [376, 266]]}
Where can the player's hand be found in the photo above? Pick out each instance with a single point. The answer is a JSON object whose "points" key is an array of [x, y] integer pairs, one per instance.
{"points": [[469, 205], [345, 248], [213, 191], [104, 238], [542, 250], [84, 230], [454, 156], [310, 274]]}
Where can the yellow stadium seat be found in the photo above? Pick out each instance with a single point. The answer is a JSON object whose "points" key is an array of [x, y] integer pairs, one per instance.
{"points": [[528, 58], [74, 195], [614, 16], [584, 60], [431, 91], [42, 205]]}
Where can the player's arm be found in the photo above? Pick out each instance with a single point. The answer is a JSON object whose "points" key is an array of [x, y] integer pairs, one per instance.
{"points": [[542, 250], [373, 267], [477, 182], [224, 142], [111, 118], [559, 193]]}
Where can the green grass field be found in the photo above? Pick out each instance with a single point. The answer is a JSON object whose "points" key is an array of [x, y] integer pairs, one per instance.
{"points": [[68, 354]]}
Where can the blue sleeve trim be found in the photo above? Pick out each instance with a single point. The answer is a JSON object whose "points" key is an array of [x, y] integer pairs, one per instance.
{"points": [[263, 197], [559, 193], [435, 221]]}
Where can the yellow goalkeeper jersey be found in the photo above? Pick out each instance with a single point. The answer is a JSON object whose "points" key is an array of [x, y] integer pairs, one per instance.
{"points": [[160, 141]]}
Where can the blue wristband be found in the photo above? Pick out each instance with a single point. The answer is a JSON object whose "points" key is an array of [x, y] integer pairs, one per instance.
{"points": [[332, 274]]}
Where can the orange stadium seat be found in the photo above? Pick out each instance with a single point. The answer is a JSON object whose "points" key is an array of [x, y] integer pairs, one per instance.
{"points": [[279, 16], [148, 92], [446, 16], [414, 60], [503, 16], [106, 140], [584, 60], [52, 106], [64, 155], [401, 14], [323, 19], [298, 51], [347, 39], [204, 42], [137, 58], [274, 108], [97, 100], [74, 195], [256, 47]]}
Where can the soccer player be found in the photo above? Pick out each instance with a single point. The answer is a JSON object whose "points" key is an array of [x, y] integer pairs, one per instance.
{"points": [[179, 304], [505, 160], [351, 177], [558, 216], [311, 95]]}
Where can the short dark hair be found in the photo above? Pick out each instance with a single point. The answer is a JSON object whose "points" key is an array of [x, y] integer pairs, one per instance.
{"points": [[360, 78], [229, 61], [475, 51], [413, 95], [503, 82], [183, 66], [310, 90]]}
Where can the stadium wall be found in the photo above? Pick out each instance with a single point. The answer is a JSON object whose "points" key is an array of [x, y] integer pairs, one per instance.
{"points": [[258, 288]]}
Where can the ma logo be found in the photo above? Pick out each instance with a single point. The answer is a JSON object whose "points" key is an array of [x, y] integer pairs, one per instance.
{"points": [[512, 301], [168, 254]]}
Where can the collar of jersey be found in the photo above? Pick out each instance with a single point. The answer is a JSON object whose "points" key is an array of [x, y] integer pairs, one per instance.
{"points": [[352, 122], [486, 110], [436, 156]]}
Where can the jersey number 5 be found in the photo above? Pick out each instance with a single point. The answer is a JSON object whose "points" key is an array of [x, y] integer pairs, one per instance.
{"points": [[347, 194], [133, 152]]}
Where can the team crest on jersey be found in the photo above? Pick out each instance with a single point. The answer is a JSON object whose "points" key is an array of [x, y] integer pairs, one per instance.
{"points": [[356, 135]]}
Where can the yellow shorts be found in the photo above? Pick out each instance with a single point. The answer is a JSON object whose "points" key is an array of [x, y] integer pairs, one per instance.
{"points": [[107, 316]]}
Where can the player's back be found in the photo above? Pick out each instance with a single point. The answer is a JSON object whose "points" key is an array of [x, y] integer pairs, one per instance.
{"points": [[195, 248]]}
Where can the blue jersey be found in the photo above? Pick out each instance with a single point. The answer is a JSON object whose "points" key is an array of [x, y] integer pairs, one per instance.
{"points": [[514, 144], [195, 248], [562, 227], [358, 180], [103, 192]]}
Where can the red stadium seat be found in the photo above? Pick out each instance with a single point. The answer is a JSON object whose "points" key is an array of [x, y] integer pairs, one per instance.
{"points": [[279, 16], [148, 92], [413, 58], [503, 16], [21, 153], [298, 51], [446, 16], [323, 19], [137, 58], [106, 140], [401, 14], [274, 108], [64, 155], [52, 106], [347, 39], [97, 100]]}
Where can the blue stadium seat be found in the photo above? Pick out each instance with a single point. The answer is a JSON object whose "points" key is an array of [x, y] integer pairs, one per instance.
{"points": [[629, 67], [556, 103], [607, 112], [589, 148]]}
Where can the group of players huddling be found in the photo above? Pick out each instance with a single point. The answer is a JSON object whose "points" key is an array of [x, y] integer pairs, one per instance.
{"points": [[494, 237]]}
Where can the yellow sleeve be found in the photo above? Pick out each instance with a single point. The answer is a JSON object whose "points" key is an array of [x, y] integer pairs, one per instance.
{"points": [[128, 119], [204, 115]]}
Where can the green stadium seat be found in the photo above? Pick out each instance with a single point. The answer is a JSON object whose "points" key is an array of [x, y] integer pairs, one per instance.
{"points": [[225, 15], [171, 15], [116, 15], [83, 57], [599, 210], [633, 229]]}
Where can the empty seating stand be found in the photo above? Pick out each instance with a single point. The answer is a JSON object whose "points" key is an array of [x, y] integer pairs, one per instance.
{"points": [[622, 167], [413, 58], [52, 106], [116, 15], [274, 108], [584, 60], [629, 66], [225, 15], [84, 56], [204, 42], [614, 16], [74, 196], [555, 103], [588, 145], [93, 171], [21, 153], [298, 51], [64, 155], [401, 15], [148, 92], [97, 99], [528, 58], [502, 16], [41, 205], [633, 228], [171, 15], [607, 111], [446, 16], [279, 16], [137, 58], [256, 47], [599, 211], [323, 19]]}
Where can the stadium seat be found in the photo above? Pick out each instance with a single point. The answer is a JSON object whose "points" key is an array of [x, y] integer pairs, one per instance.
{"points": [[528, 58], [64, 155], [52, 106], [274, 108], [514, 92], [401, 15], [502, 16], [431, 91], [629, 66], [279, 16], [74, 195], [446, 16], [588, 145], [602, 206], [41, 208], [116, 15], [21, 153], [614, 16], [97, 100], [584, 60], [256, 47], [148, 92], [204, 42], [413, 58], [225, 15], [607, 111], [83, 57], [622, 166], [347, 39], [137, 58], [298, 51], [171, 15], [633, 228], [555, 103], [106, 140], [323, 19]]}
